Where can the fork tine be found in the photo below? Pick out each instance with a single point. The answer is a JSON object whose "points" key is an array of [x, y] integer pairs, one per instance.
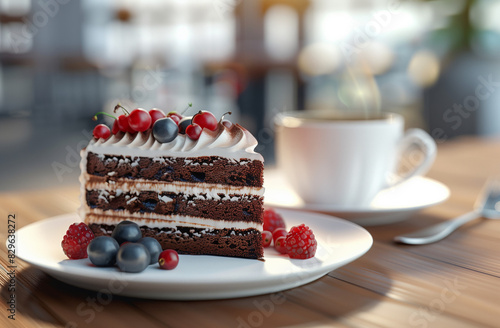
{"points": [[493, 184], [490, 190], [490, 202]]}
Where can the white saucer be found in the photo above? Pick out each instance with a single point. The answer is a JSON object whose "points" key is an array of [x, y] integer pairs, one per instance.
{"points": [[199, 277], [389, 206]]}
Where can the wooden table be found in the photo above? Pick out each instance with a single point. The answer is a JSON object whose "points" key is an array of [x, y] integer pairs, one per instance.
{"points": [[453, 283]]}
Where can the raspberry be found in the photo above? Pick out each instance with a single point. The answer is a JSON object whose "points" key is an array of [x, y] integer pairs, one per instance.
{"points": [[300, 242], [272, 220], [76, 240]]}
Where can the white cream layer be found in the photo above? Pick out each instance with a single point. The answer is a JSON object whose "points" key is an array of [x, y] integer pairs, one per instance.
{"points": [[191, 188], [154, 220]]}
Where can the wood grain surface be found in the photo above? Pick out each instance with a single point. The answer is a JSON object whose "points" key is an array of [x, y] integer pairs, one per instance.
{"points": [[452, 283]]}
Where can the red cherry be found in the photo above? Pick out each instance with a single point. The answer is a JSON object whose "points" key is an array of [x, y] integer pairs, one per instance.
{"points": [[193, 131], [156, 114], [267, 238], [280, 245], [115, 129], [168, 259], [280, 232], [175, 117], [205, 120], [102, 131], [139, 120], [123, 124]]}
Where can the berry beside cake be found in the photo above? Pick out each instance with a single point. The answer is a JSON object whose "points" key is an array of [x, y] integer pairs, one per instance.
{"points": [[195, 187]]}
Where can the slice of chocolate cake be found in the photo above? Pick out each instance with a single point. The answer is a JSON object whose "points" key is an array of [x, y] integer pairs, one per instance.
{"points": [[200, 196]]}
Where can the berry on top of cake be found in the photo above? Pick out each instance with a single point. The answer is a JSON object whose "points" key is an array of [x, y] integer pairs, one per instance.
{"points": [[196, 186]]}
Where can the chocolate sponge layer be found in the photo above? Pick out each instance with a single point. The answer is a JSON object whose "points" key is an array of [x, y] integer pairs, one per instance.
{"points": [[209, 169], [244, 208], [245, 243]]}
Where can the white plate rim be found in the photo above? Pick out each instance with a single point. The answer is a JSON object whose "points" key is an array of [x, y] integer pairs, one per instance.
{"points": [[252, 286]]}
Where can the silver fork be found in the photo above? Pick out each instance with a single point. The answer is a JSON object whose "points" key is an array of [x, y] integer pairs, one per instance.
{"points": [[487, 205]]}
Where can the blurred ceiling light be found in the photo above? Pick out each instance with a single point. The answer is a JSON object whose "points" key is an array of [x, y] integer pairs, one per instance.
{"points": [[15, 7], [281, 32], [327, 26], [424, 68], [484, 15], [412, 19], [376, 57], [319, 58]]}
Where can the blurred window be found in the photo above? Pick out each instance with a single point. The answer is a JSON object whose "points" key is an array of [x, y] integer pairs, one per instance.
{"points": [[281, 32], [15, 8], [13, 20], [121, 31]]}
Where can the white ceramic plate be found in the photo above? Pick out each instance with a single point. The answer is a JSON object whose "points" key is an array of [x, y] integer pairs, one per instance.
{"points": [[389, 206], [199, 277]]}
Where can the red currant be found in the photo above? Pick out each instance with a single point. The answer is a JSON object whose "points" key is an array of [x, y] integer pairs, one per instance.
{"points": [[280, 245], [102, 131], [168, 259], [115, 129], [280, 232], [156, 114], [123, 124], [205, 120], [139, 120], [194, 131], [267, 238]]}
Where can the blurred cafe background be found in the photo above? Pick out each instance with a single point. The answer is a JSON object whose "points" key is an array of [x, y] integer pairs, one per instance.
{"points": [[436, 62]]}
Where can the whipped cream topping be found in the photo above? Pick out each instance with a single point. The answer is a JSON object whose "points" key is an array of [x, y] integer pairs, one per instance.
{"points": [[234, 142]]}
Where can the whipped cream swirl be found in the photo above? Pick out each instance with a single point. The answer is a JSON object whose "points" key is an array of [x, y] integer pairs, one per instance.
{"points": [[233, 142]]}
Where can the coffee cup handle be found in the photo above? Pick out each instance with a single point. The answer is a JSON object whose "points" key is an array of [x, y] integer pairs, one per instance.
{"points": [[414, 142]]}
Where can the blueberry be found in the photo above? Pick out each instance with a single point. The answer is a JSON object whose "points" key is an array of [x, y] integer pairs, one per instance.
{"points": [[165, 130], [184, 123], [133, 257], [127, 231], [102, 251], [153, 247]]}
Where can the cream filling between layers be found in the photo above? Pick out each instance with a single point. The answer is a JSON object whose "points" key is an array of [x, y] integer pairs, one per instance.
{"points": [[154, 220], [192, 188]]}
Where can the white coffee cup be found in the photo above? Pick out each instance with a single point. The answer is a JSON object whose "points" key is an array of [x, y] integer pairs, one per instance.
{"points": [[346, 161]]}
